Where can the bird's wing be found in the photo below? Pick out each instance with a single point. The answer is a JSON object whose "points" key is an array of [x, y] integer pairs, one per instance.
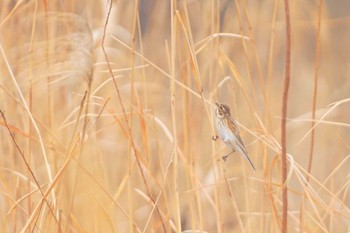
{"points": [[240, 144], [233, 125]]}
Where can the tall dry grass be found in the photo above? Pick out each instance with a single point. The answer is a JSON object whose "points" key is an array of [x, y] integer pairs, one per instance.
{"points": [[106, 116]]}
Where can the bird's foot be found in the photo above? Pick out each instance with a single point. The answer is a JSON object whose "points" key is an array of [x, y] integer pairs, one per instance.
{"points": [[224, 158]]}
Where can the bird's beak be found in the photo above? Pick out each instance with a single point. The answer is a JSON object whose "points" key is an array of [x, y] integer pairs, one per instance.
{"points": [[217, 104]]}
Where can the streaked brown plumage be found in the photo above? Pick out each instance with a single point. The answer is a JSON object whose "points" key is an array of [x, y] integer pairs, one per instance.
{"points": [[228, 132]]}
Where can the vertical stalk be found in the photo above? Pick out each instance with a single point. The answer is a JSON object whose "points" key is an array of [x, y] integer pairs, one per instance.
{"points": [[177, 216], [314, 97], [284, 119], [119, 96]]}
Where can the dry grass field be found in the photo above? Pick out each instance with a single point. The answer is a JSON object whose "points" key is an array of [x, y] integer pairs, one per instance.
{"points": [[106, 117]]}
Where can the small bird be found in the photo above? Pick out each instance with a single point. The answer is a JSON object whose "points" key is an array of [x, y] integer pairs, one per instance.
{"points": [[228, 132]]}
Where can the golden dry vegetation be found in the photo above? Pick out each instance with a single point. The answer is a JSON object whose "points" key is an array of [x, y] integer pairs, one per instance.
{"points": [[107, 119]]}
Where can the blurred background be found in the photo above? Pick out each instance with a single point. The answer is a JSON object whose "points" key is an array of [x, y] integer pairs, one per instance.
{"points": [[107, 117]]}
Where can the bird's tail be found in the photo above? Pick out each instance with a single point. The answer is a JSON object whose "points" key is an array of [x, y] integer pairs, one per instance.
{"points": [[250, 161], [244, 153]]}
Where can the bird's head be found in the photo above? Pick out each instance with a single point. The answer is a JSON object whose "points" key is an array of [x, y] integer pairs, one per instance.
{"points": [[222, 110]]}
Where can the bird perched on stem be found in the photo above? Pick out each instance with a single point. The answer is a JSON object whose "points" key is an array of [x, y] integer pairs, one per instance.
{"points": [[228, 132]]}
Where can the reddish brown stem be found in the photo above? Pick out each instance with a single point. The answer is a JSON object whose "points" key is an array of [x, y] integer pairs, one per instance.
{"points": [[284, 120]]}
